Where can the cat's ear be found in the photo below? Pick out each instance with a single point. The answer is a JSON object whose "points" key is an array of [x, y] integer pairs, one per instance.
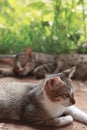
{"points": [[28, 51], [50, 83], [69, 72]]}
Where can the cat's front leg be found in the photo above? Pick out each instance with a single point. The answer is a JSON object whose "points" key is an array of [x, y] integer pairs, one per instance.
{"points": [[77, 114], [40, 72], [61, 121], [6, 73], [59, 66]]}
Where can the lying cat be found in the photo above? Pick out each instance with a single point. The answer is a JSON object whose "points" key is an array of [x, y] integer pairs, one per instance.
{"points": [[28, 63], [50, 103], [40, 65], [65, 61]]}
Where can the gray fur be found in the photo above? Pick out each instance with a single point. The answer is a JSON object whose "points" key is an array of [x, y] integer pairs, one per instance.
{"points": [[27, 102], [21, 101]]}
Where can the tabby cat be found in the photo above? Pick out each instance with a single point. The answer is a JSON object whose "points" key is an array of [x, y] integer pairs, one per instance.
{"points": [[50, 103], [65, 61], [40, 65], [28, 63]]}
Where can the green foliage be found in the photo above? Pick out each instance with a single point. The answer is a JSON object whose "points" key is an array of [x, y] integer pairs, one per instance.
{"points": [[45, 25]]}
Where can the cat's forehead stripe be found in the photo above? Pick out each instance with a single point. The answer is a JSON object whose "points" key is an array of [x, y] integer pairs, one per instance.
{"points": [[19, 65]]}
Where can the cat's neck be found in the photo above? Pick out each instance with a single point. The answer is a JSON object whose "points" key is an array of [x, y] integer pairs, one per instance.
{"points": [[53, 108]]}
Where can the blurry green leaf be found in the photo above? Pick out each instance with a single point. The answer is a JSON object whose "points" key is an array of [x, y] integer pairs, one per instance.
{"points": [[80, 1], [37, 5], [2, 26]]}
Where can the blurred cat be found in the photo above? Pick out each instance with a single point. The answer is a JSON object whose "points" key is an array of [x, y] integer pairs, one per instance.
{"points": [[40, 65], [29, 63]]}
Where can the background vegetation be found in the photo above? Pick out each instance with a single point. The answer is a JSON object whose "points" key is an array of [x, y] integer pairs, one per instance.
{"points": [[50, 26]]}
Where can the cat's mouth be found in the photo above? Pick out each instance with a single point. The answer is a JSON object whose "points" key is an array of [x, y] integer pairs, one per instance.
{"points": [[21, 72]]}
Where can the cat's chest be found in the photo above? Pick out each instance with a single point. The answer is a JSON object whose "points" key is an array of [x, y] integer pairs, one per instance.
{"points": [[53, 108]]}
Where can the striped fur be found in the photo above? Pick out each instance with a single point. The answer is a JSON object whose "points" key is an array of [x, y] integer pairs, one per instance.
{"points": [[41, 104]]}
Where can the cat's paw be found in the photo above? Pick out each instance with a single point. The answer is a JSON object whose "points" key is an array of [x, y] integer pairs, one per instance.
{"points": [[69, 118], [1, 73], [5, 73], [66, 120]]}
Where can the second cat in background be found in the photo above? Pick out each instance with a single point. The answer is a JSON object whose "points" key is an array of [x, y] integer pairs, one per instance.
{"points": [[31, 63]]}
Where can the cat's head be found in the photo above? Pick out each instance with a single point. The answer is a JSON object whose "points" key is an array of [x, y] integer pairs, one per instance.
{"points": [[23, 63], [59, 89]]}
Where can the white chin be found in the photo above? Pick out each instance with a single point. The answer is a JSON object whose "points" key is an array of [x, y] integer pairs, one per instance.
{"points": [[66, 105]]}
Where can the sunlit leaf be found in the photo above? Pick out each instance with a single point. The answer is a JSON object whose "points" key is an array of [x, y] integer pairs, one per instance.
{"points": [[2, 26], [37, 5]]}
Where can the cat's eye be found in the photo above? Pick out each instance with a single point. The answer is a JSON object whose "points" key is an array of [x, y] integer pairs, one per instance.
{"points": [[61, 78], [67, 96]]}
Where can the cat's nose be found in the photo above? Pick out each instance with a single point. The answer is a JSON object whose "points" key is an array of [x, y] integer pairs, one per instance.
{"points": [[72, 101], [21, 71]]}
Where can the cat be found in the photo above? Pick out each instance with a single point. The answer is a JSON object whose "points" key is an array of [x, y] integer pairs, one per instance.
{"points": [[40, 65], [28, 63], [65, 61], [49, 103]]}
